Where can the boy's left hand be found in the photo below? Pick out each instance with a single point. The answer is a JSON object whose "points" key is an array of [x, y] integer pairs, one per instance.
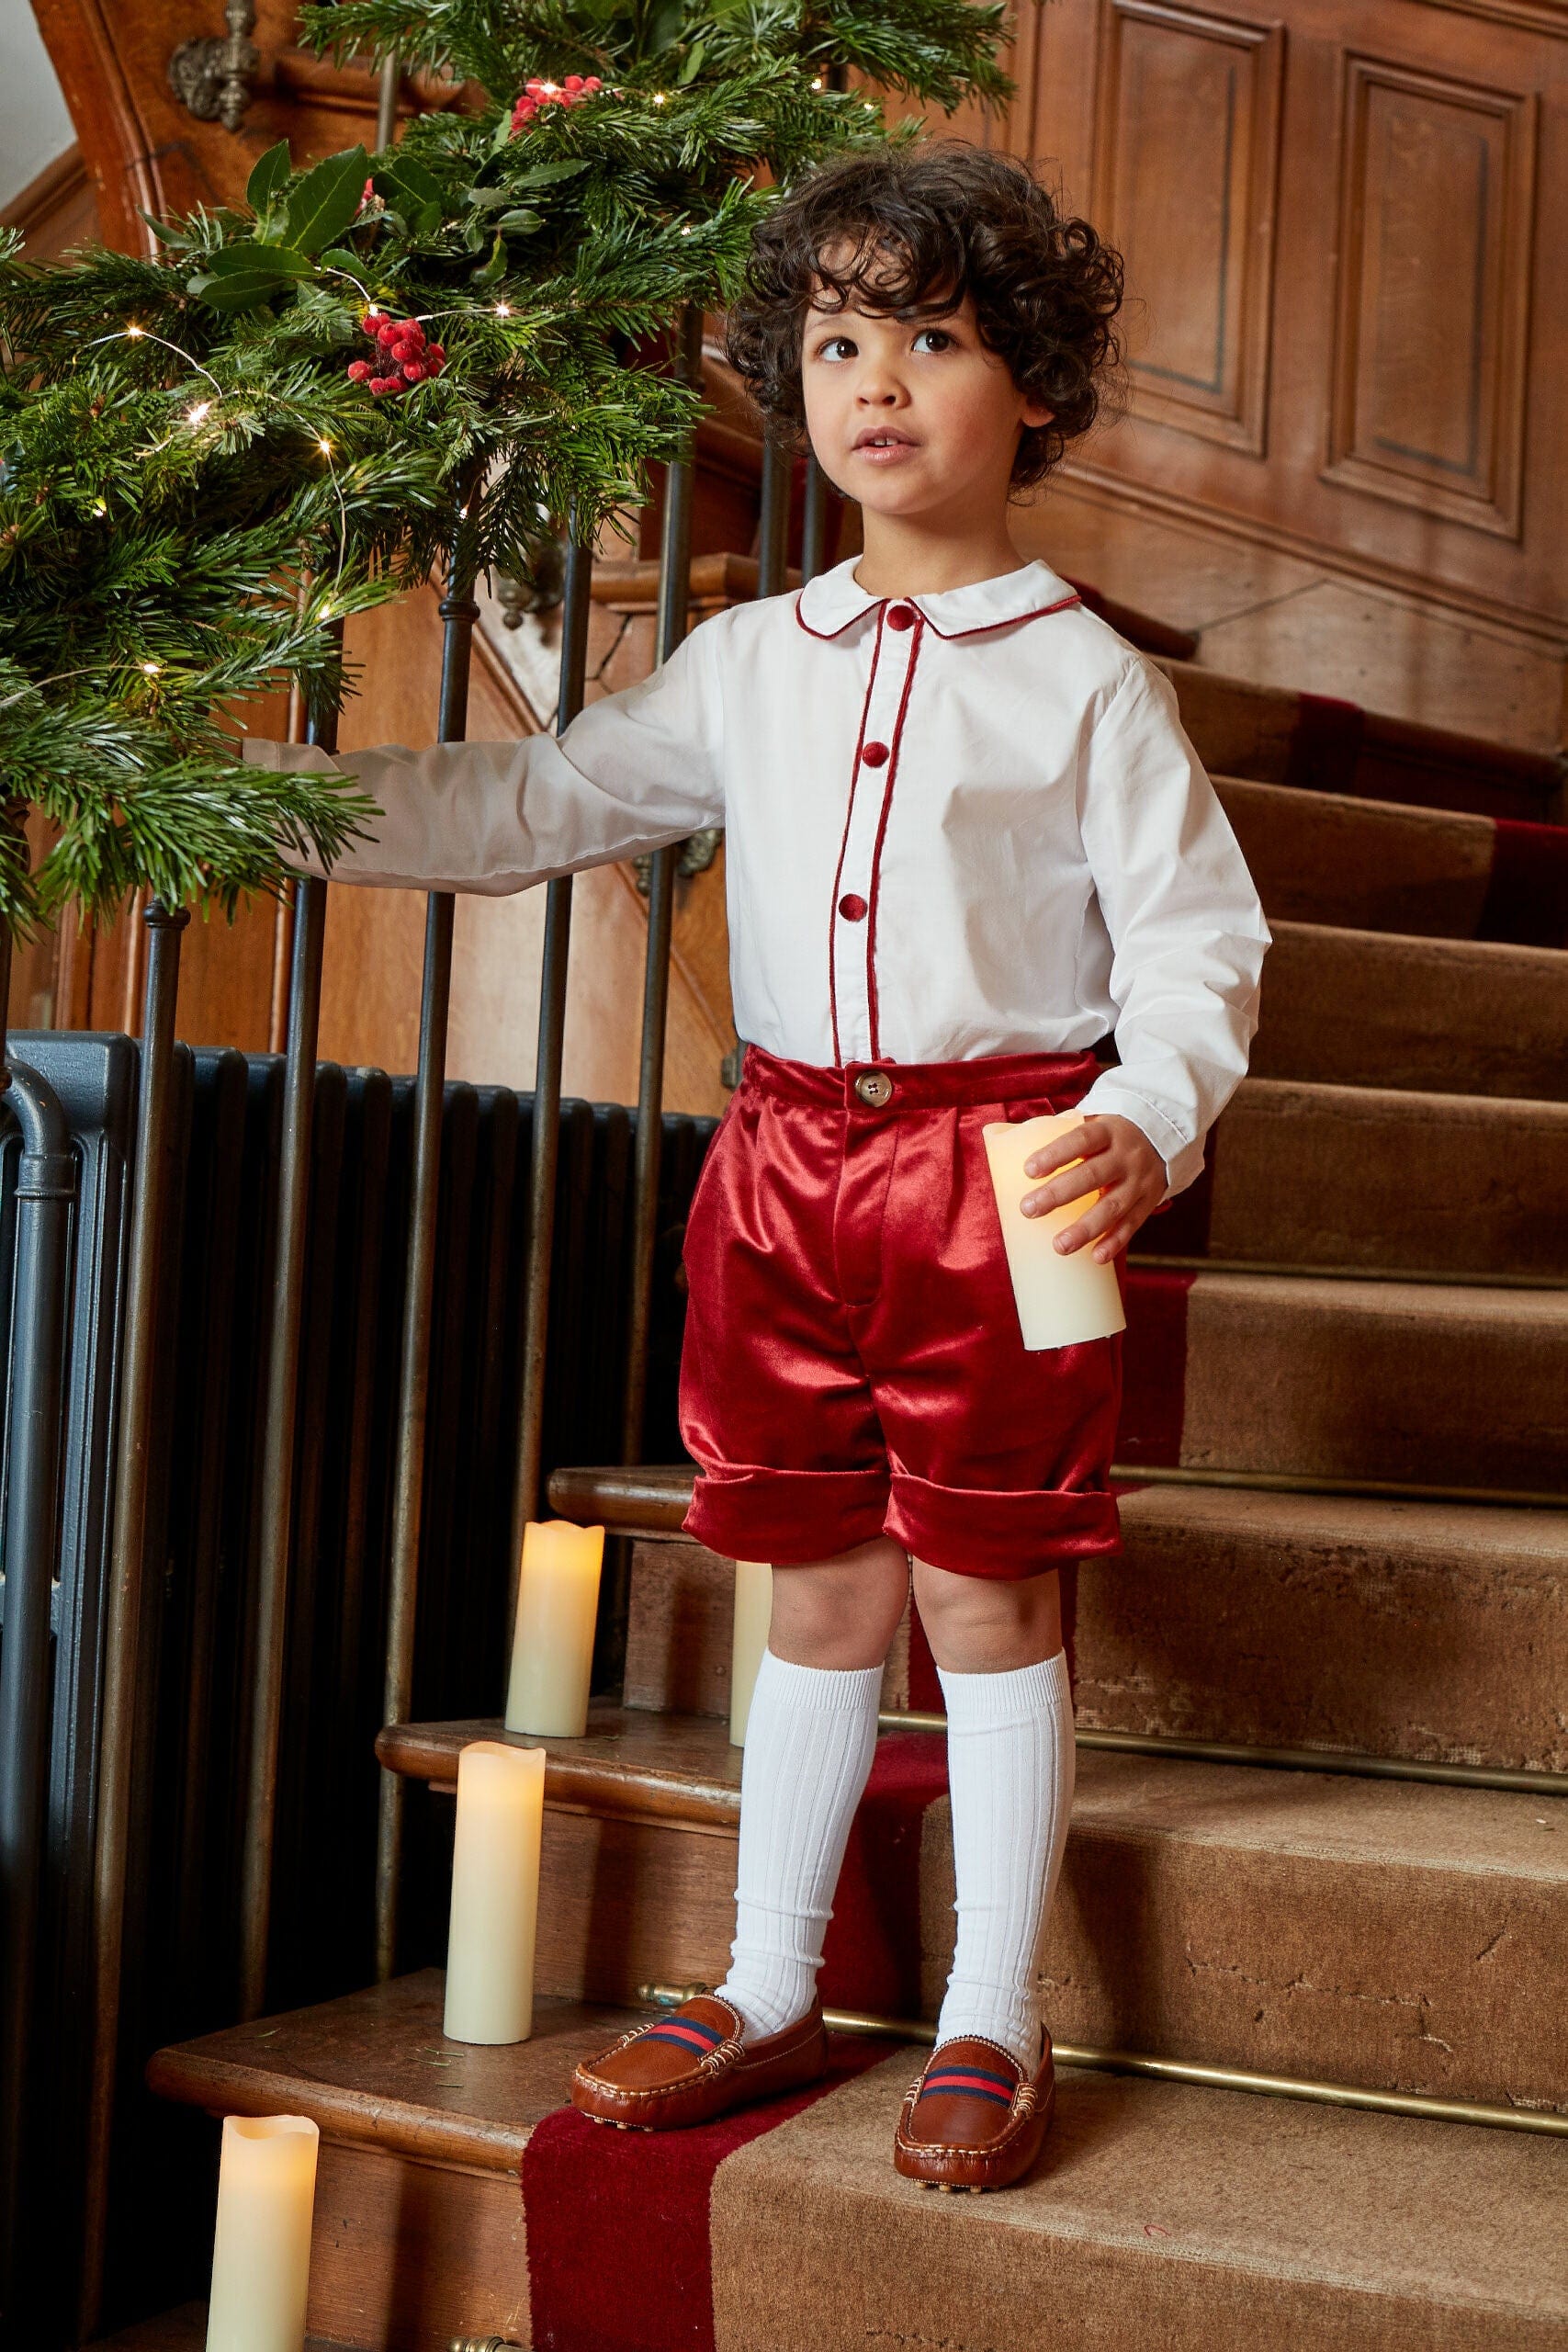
{"points": [[1119, 1162]]}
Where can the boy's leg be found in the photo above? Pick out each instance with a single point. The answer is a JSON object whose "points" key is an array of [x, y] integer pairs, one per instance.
{"points": [[997, 1648], [811, 1737]]}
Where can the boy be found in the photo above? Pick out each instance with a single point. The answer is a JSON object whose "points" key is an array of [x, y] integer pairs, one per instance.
{"points": [[966, 836]]}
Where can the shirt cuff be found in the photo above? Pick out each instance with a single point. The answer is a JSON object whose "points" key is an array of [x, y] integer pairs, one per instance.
{"points": [[1182, 1155]]}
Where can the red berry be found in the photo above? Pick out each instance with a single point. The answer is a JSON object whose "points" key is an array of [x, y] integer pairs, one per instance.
{"points": [[573, 83], [415, 370], [386, 333], [435, 354], [372, 320], [380, 384], [592, 83], [359, 370]]}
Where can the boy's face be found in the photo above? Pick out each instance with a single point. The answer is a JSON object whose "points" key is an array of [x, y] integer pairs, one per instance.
{"points": [[913, 417]]}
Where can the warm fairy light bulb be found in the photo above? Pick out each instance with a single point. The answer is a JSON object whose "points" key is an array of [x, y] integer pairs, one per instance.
{"points": [[504, 310], [99, 508], [194, 415], [151, 668], [659, 97], [325, 447], [817, 81], [132, 331]]}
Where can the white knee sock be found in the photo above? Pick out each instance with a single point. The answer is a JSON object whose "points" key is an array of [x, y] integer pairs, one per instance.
{"points": [[811, 1737], [1011, 1772]]}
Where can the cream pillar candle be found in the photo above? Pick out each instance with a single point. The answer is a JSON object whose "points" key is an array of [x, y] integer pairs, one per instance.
{"points": [[552, 1634], [753, 1612], [261, 2250], [495, 1892], [1063, 1297]]}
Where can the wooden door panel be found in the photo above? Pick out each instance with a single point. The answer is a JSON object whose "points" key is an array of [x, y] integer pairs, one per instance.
{"points": [[1435, 229], [1186, 161]]}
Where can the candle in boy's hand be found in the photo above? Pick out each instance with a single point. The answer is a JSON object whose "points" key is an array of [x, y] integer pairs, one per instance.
{"points": [[754, 1614], [552, 1635], [261, 2250], [495, 1892], [1062, 1296]]}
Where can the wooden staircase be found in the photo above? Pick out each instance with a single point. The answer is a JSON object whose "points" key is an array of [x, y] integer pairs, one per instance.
{"points": [[1318, 1842]]}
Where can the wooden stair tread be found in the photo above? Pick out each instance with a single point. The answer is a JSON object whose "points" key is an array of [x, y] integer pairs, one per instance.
{"points": [[632, 1763], [1150, 2188], [681, 1768], [375, 2069]]}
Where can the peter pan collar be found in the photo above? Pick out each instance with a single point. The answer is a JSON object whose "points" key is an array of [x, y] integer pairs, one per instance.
{"points": [[826, 605]]}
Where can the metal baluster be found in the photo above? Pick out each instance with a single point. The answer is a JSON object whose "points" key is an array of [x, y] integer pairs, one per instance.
{"points": [[46, 1187], [387, 103], [674, 600], [813, 523], [546, 1090], [282, 1397], [458, 612], [773, 552], [116, 1757]]}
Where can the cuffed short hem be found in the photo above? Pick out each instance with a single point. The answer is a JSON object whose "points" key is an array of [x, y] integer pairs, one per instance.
{"points": [[791, 1518], [1010, 1533]]}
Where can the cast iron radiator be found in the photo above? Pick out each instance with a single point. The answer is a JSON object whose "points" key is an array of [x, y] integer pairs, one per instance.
{"points": [[182, 1930]]}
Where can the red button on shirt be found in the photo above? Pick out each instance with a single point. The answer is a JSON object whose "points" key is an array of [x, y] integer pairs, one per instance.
{"points": [[874, 755], [900, 616], [852, 908]]}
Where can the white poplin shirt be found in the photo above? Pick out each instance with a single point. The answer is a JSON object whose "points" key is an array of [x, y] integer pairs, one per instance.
{"points": [[956, 824]]}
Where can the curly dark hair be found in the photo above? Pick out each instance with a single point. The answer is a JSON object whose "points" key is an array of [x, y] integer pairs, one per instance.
{"points": [[916, 227]]}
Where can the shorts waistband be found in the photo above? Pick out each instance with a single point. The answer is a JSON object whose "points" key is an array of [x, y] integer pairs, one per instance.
{"points": [[918, 1086]]}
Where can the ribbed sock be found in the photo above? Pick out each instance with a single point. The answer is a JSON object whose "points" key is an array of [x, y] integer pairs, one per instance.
{"points": [[811, 1737], [1011, 1772]]}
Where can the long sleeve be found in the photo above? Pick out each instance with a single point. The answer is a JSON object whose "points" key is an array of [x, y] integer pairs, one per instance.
{"points": [[1186, 925], [631, 773]]}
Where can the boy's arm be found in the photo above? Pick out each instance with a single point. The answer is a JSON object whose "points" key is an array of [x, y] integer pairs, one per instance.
{"points": [[631, 773], [1186, 923]]}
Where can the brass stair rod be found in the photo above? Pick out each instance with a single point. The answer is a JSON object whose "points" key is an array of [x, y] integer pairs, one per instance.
{"points": [[526, 1496], [458, 612], [282, 1402], [117, 1737], [674, 605]]}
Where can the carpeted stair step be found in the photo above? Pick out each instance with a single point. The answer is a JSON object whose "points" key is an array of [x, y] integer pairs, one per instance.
{"points": [[183, 2330], [1454, 1388], [1315, 743], [1380, 1179], [1374, 865], [1392, 1934], [1437, 1633], [1160, 2214], [1371, 1008]]}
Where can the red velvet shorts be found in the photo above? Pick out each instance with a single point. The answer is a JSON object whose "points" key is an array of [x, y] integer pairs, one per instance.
{"points": [[853, 1364]]}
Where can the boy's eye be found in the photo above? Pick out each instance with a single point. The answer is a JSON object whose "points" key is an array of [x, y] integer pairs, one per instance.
{"points": [[938, 338], [834, 346]]}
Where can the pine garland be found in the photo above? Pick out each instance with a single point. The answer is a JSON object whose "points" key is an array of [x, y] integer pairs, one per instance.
{"points": [[210, 460]]}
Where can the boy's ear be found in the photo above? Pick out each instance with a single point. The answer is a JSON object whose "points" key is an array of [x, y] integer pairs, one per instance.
{"points": [[1035, 414]]}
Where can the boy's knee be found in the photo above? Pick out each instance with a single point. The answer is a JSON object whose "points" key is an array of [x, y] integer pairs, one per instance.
{"points": [[841, 1612], [979, 1623]]}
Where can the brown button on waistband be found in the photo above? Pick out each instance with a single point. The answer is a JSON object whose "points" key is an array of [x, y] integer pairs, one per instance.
{"points": [[853, 907], [874, 755], [900, 616], [874, 1088]]}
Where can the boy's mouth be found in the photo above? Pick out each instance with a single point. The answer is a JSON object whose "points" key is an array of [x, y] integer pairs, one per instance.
{"points": [[882, 442]]}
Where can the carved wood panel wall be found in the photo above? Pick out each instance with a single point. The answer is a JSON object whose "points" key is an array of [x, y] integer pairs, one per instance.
{"points": [[1191, 102], [1436, 222], [1347, 324]]}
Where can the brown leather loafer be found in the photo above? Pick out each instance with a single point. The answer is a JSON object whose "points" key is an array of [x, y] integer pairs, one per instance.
{"points": [[972, 2120], [688, 2065]]}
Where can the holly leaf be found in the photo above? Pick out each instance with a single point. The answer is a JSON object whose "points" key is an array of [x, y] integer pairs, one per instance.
{"points": [[666, 21], [239, 277], [519, 223], [407, 176], [544, 175], [490, 271], [269, 174], [326, 201], [694, 65]]}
